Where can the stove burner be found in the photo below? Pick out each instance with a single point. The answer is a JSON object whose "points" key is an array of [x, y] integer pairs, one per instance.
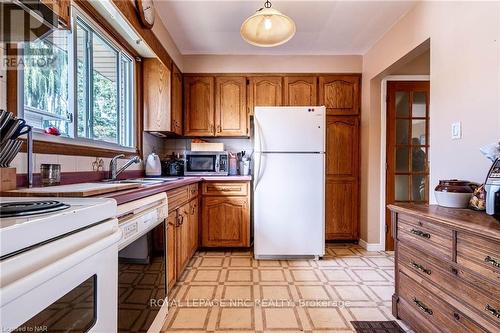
{"points": [[27, 208]]}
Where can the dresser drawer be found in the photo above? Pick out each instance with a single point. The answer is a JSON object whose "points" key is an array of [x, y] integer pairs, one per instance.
{"points": [[193, 191], [432, 308], [177, 197], [428, 237], [445, 276], [479, 255], [225, 189]]}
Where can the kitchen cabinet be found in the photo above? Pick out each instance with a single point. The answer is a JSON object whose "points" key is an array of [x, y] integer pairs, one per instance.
{"points": [[342, 178], [156, 95], [199, 114], [340, 94], [171, 253], [176, 101], [231, 106], [193, 226], [225, 215], [300, 90], [62, 9], [264, 91], [182, 239], [182, 230]]}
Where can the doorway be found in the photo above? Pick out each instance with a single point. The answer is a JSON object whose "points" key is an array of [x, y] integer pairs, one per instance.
{"points": [[407, 162]]}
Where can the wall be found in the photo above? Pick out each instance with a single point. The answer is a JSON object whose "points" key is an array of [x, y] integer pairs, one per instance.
{"points": [[271, 64], [3, 79], [465, 85], [420, 65], [168, 43]]}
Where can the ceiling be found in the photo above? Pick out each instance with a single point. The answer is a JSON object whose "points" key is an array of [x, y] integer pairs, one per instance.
{"points": [[323, 27]]}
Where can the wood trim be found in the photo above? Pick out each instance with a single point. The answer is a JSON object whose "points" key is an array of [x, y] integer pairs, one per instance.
{"points": [[272, 74], [11, 74], [129, 11], [87, 7]]}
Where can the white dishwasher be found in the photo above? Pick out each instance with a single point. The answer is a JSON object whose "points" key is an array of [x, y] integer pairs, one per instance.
{"points": [[142, 273]]}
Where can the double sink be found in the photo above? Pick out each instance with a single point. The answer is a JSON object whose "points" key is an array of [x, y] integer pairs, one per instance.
{"points": [[145, 181]]}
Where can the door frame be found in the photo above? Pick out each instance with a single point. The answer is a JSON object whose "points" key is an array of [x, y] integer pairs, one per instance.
{"points": [[383, 144]]}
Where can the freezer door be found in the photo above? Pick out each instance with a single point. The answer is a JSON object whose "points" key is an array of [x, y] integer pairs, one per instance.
{"points": [[289, 205], [289, 129]]}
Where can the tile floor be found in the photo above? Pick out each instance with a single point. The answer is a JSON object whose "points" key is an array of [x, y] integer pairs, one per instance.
{"points": [[232, 292]]}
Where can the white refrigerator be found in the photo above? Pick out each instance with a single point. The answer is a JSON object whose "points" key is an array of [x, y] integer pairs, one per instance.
{"points": [[289, 184]]}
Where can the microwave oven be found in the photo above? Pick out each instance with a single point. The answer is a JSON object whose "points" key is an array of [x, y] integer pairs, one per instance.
{"points": [[206, 163]]}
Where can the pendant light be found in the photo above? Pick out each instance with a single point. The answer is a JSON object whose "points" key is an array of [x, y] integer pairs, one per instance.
{"points": [[267, 27]]}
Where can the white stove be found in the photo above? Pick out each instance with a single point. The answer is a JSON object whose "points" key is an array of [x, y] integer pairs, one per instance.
{"points": [[61, 256], [51, 218]]}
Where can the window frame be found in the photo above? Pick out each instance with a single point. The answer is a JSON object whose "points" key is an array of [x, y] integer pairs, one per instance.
{"points": [[74, 145]]}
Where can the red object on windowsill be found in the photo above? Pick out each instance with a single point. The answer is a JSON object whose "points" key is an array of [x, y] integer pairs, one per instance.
{"points": [[52, 131]]}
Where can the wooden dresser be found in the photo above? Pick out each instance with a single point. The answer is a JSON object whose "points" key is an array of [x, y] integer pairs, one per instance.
{"points": [[447, 269]]}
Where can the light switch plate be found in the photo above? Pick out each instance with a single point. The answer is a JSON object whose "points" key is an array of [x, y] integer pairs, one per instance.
{"points": [[456, 130]]}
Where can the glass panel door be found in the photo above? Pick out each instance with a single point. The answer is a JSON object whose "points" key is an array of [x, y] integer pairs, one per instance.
{"points": [[407, 144]]}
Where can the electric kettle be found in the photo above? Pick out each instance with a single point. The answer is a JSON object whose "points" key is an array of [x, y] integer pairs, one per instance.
{"points": [[153, 165]]}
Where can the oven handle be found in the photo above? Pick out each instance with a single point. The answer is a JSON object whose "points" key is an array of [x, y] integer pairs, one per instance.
{"points": [[11, 291]]}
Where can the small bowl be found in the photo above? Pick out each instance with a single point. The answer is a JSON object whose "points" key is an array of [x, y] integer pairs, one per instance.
{"points": [[454, 193]]}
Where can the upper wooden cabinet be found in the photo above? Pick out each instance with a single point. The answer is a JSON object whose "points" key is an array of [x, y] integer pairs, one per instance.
{"points": [[264, 91], [300, 90], [340, 94], [156, 88], [231, 106], [199, 106], [176, 101], [62, 9]]}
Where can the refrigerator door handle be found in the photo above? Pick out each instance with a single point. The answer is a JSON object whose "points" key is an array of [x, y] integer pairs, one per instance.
{"points": [[260, 134], [259, 160]]}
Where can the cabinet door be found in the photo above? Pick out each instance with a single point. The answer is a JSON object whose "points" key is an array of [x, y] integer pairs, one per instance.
{"points": [[176, 106], [182, 239], [231, 106], [340, 94], [226, 222], [193, 226], [199, 106], [300, 90], [342, 178], [342, 146], [264, 91], [342, 209], [156, 87], [171, 253]]}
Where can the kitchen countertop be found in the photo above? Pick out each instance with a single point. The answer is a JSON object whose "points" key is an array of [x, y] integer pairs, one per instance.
{"points": [[125, 196]]}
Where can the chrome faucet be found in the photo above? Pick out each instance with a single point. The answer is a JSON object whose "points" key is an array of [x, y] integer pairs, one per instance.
{"points": [[114, 172]]}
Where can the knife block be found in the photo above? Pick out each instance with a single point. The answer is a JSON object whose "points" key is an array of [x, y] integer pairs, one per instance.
{"points": [[7, 179]]}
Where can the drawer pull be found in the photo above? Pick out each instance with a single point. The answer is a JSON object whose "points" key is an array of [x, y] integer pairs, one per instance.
{"points": [[494, 312], [420, 233], [422, 306], [421, 268], [491, 261]]}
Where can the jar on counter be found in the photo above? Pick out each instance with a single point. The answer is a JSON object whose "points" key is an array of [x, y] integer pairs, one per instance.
{"points": [[454, 193], [51, 174]]}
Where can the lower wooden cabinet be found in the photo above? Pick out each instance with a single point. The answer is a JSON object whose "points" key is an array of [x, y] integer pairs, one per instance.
{"points": [[225, 215], [226, 222], [182, 230], [171, 271], [182, 239]]}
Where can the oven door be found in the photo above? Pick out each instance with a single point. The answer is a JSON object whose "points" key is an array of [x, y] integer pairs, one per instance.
{"points": [[142, 280], [201, 164], [65, 285]]}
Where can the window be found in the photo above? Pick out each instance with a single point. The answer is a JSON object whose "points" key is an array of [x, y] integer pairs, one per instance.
{"points": [[82, 83]]}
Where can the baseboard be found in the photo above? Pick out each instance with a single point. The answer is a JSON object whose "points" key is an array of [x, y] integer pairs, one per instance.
{"points": [[371, 246]]}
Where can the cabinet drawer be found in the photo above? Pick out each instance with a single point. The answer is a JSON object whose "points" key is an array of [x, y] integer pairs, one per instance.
{"points": [[177, 197], [479, 255], [225, 189], [446, 276], [193, 191], [428, 237], [432, 308]]}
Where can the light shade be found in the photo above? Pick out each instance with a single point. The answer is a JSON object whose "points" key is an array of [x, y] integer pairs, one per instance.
{"points": [[267, 27]]}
